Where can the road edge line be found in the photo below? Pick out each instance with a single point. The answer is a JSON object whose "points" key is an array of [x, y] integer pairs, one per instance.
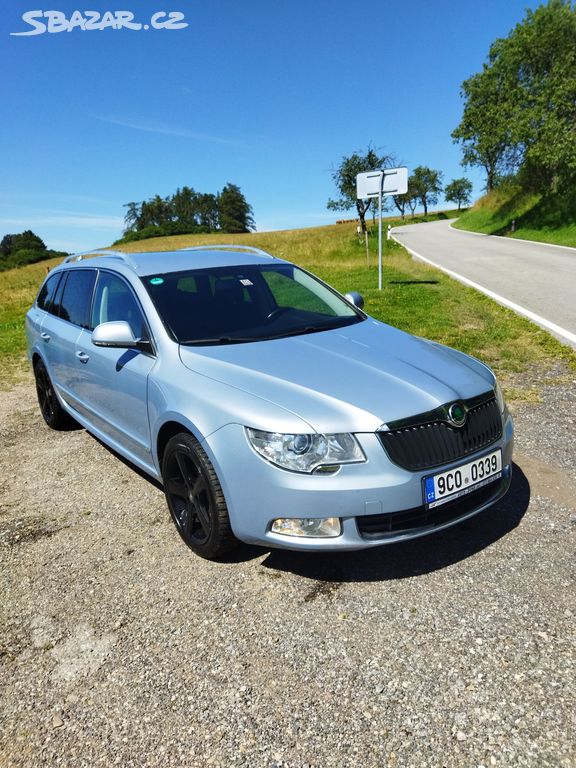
{"points": [[467, 231], [510, 239], [550, 326]]}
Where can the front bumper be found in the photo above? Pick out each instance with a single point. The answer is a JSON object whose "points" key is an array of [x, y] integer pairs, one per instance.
{"points": [[377, 501]]}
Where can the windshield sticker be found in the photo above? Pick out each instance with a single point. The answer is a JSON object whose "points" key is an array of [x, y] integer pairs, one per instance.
{"points": [[156, 281], [245, 281]]}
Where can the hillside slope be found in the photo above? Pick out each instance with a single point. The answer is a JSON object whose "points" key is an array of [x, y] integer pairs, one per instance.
{"points": [[511, 211]]}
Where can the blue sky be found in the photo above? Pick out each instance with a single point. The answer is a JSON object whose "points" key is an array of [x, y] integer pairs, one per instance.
{"points": [[266, 95]]}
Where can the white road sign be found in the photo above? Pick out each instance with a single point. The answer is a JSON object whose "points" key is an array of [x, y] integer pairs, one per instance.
{"points": [[387, 181], [390, 181]]}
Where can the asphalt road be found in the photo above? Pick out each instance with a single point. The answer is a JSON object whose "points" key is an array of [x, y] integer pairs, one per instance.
{"points": [[540, 279]]}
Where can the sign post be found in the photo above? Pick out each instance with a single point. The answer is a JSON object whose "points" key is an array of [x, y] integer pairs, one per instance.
{"points": [[382, 183]]}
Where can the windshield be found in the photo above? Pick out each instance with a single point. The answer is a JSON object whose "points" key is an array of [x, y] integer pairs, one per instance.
{"points": [[227, 305]]}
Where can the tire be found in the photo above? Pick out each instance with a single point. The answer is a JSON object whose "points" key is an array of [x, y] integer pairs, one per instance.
{"points": [[195, 499], [52, 412]]}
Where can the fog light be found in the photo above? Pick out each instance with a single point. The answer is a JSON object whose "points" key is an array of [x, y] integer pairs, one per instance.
{"points": [[314, 527]]}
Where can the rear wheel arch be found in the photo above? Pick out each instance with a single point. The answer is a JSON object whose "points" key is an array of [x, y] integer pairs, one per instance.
{"points": [[51, 409]]}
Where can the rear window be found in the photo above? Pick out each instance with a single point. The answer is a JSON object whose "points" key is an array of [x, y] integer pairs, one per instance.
{"points": [[46, 294]]}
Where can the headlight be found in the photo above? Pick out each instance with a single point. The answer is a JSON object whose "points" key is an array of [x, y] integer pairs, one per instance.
{"points": [[499, 397], [306, 453]]}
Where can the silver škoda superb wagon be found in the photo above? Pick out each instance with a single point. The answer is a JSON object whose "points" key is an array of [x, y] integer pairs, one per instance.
{"points": [[273, 410]]}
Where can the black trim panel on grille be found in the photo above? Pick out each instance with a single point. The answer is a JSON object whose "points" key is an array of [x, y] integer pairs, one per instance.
{"points": [[412, 520], [429, 440]]}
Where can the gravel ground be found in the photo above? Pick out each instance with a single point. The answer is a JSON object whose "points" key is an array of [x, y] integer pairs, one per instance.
{"points": [[120, 647]]}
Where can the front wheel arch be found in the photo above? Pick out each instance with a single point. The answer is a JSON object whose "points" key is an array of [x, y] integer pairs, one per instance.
{"points": [[195, 497], [167, 431]]}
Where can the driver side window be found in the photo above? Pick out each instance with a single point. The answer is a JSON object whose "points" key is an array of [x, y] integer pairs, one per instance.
{"points": [[114, 300]]}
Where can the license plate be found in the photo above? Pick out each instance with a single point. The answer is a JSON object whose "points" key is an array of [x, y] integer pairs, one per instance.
{"points": [[446, 486]]}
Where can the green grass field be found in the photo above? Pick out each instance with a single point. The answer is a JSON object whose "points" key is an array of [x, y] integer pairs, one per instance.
{"points": [[415, 297]]}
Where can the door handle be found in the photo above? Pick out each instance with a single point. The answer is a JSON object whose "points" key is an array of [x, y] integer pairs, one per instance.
{"points": [[83, 357], [45, 336]]}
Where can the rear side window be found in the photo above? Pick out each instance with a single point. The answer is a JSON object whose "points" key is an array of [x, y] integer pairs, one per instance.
{"points": [[46, 295], [77, 297]]}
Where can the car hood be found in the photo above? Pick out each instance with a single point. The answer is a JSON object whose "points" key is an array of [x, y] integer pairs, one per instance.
{"points": [[353, 379]]}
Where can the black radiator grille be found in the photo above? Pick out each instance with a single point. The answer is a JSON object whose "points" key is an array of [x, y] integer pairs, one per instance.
{"points": [[429, 440]]}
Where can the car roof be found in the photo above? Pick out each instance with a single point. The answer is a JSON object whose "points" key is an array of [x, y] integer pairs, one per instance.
{"points": [[162, 262]]}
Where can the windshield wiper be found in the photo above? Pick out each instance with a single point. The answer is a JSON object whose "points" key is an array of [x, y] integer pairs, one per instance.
{"points": [[340, 322], [220, 340], [315, 328]]}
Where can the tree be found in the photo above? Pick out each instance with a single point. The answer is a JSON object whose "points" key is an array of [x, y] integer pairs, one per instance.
{"points": [[208, 213], [411, 198], [426, 186], [155, 212], [485, 129], [404, 201], [160, 210], [25, 241], [24, 248], [400, 201], [132, 216], [412, 202], [235, 215], [185, 206], [6, 245], [520, 111], [458, 191], [188, 211], [344, 178]]}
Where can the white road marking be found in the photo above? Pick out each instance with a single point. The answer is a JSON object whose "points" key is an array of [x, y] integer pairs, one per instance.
{"points": [[568, 335], [510, 239]]}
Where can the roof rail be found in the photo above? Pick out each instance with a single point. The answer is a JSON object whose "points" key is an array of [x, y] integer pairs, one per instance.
{"points": [[125, 257], [227, 247]]}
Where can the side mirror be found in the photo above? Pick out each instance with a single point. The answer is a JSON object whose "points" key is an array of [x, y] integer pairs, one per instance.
{"points": [[115, 334], [355, 298]]}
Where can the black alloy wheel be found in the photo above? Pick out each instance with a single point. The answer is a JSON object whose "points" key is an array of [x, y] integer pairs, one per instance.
{"points": [[52, 412], [195, 498]]}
